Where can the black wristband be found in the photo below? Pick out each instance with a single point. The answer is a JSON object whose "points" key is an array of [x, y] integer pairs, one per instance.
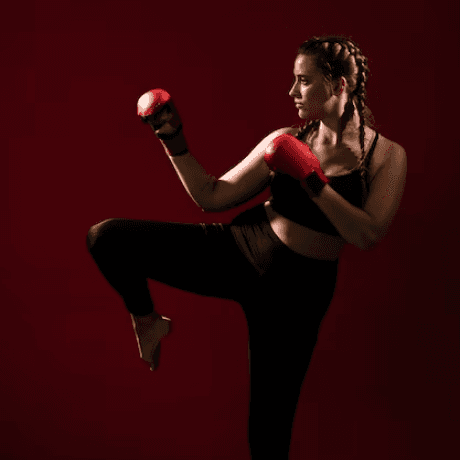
{"points": [[314, 183], [180, 153], [170, 137]]}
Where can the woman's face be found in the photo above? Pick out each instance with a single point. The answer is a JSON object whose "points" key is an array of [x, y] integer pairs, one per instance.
{"points": [[309, 89]]}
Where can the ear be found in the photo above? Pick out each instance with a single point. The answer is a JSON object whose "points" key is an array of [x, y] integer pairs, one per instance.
{"points": [[340, 86], [337, 86]]}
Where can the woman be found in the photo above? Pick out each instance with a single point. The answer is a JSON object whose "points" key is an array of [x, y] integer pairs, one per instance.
{"points": [[279, 259]]}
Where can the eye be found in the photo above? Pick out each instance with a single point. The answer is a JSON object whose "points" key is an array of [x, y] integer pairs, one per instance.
{"points": [[302, 80]]}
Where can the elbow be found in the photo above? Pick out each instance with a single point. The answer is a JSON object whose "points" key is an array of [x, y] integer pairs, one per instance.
{"points": [[369, 241], [207, 201], [209, 208], [359, 241], [213, 204], [206, 206], [368, 247]]}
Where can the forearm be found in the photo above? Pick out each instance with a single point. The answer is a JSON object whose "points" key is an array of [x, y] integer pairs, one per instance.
{"points": [[198, 184], [353, 224], [167, 126]]}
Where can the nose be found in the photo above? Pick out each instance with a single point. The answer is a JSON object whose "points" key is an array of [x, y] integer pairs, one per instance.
{"points": [[293, 91]]}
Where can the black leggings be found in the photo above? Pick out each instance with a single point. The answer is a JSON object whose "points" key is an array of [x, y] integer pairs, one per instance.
{"points": [[243, 261]]}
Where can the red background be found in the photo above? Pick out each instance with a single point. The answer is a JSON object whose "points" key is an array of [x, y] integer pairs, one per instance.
{"points": [[384, 379]]}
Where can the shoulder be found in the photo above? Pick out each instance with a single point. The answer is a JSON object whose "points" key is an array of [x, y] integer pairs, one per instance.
{"points": [[386, 152], [259, 150], [278, 132], [390, 146], [294, 130], [287, 130]]}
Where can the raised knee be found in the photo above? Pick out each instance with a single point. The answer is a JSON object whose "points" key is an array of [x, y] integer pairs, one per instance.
{"points": [[96, 231]]}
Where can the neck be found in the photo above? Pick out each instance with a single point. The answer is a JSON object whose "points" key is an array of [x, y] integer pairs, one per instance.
{"points": [[333, 131]]}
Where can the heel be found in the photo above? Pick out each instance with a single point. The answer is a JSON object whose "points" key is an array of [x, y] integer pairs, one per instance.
{"points": [[162, 328], [148, 333]]}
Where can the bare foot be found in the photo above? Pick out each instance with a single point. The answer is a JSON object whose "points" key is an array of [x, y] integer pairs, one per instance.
{"points": [[149, 332]]}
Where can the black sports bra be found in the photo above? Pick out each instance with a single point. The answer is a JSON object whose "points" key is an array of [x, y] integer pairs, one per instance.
{"points": [[290, 200]]}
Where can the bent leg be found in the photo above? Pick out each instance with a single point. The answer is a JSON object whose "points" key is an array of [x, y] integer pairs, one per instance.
{"points": [[198, 258]]}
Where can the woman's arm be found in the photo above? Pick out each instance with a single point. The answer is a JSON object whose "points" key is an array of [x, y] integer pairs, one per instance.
{"points": [[365, 228], [198, 184], [237, 186]]}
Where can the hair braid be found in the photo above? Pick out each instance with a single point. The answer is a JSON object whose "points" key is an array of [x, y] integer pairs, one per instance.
{"points": [[337, 56]]}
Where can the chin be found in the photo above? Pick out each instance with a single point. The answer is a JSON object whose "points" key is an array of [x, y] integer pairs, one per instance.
{"points": [[305, 116], [302, 114]]}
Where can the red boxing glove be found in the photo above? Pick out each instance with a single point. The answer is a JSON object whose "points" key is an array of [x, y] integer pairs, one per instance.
{"points": [[293, 157], [157, 108], [157, 105]]}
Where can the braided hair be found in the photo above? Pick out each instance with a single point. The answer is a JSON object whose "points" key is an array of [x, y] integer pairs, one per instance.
{"points": [[338, 56]]}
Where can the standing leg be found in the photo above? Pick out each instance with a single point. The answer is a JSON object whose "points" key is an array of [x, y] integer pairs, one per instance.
{"points": [[283, 321], [280, 353]]}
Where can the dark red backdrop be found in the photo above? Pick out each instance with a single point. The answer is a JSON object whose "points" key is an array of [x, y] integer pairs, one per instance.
{"points": [[383, 383]]}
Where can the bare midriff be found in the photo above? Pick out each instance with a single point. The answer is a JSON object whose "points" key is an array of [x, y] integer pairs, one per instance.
{"points": [[304, 240]]}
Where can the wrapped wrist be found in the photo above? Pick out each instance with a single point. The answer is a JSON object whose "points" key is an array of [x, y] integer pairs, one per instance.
{"points": [[178, 154], [175, 143], [169, 137], [314, 184]]}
